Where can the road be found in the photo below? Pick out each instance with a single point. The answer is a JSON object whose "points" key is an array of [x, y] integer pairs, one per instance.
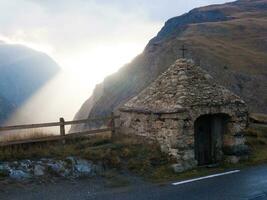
{"points": [[248, 184]]}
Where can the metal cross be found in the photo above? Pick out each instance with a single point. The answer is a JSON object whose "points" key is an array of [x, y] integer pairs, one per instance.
{"points": [[183, 49]]}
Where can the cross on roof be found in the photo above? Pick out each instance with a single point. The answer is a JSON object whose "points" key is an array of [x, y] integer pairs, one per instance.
{"points": [[183, 49]]}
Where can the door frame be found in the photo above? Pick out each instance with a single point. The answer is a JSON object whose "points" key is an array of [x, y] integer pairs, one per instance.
{"points": [[215, 138]]}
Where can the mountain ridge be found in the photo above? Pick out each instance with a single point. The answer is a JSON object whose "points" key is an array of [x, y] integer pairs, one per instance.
{"points": [[231, 46], [23, 72]]}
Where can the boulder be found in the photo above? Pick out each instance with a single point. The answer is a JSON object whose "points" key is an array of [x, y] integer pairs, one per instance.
{"points": [[39, 170], [19, 174], [71, 167], [177, 168], [83, 167], [232, 159], [57, 167]]}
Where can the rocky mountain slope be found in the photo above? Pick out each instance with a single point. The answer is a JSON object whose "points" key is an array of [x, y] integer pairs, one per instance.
{"points": [[228, 40], [23, 72]]}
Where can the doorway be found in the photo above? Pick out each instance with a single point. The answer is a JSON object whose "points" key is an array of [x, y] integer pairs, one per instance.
{"points": [[209, 131]]}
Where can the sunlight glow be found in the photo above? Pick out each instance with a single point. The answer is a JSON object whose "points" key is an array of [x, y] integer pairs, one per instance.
{"points": [[45, 48], [59, 97], [90, 64], [64, 94], [93, 65]]}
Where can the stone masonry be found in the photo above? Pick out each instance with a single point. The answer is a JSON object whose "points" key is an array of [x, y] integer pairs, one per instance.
{"points": [[167, 110]]}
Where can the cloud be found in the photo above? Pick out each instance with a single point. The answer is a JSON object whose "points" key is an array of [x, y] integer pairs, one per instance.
{"points": [[88, 38], [67, 25]]}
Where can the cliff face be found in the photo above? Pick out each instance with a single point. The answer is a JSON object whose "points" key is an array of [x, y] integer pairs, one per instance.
{"points": [[22, 72], [230, 40]]}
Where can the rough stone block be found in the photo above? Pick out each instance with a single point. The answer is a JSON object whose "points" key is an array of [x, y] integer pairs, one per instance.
{"points": [[189, 155], [232, 159]]}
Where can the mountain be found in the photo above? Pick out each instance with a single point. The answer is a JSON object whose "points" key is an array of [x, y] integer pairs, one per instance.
{"points": [[23, 72], [6, 108], [230, 40]]}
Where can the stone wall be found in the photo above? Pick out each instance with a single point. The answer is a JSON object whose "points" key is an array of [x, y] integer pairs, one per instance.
{"points": [[233, 144], [175, 131]]}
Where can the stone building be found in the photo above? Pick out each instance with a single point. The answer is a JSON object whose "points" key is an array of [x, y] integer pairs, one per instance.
{"points": [[194, 119]]}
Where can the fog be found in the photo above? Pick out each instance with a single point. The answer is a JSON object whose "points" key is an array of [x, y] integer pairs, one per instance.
{"points": [[52, 101], [89, 39]]}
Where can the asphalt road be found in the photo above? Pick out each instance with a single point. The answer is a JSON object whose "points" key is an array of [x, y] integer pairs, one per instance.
{"points": [[248, 184]]}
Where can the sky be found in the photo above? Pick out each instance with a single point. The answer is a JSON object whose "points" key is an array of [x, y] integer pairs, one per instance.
{"points": [[89, 39], [79, 33]]}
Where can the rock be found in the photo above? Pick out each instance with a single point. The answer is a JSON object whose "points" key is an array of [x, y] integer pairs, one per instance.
{"points": [[177, 168], [70, 167], [14, 164], [24, 165], [189, 155], [190, 164], [71, 160], [181, 167], [83, 166], [232, 159], [18, 174], [45, 160], [39, 170], [4, 166], [57, 168], [67, 172]]}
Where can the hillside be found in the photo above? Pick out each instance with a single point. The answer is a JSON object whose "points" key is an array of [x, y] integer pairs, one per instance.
{"points": [[23, 72], [5, 109], [230, 40]]}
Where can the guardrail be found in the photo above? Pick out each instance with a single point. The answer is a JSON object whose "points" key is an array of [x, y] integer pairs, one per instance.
{"points": [[62, 123]]}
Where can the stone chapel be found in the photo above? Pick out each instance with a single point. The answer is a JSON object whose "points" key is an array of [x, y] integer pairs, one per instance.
{"points": [[194, 119]]}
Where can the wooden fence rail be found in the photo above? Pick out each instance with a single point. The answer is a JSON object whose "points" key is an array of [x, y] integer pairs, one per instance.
{"points": [[62, 123]]}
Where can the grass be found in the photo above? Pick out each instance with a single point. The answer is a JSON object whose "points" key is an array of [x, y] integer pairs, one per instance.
{"points": [[119, 155], [132, 154], [73, 147], [256, 136], [24, 135]]}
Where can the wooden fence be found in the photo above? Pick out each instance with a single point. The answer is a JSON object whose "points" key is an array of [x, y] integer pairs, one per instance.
{"points": [[62, 123]]}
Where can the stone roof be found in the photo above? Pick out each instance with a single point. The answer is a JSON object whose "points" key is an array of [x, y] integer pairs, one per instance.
{"points": [[182, 86]]}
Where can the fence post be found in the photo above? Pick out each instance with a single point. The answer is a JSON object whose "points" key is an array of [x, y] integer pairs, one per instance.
{"points": [[62, 126], [112, 123]]}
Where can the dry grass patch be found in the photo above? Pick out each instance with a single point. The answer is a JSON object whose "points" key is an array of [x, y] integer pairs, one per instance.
{"points": [[53, 149], [120, 153], [132, 154], [256, 136], [24, 135]]}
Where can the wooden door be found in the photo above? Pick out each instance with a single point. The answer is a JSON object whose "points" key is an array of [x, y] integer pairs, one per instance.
{"points": [[209, 130], [203, 139], [217, 131]]}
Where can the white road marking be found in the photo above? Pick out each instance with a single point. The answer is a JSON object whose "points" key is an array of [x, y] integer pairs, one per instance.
{"points": [[205, 177]]}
